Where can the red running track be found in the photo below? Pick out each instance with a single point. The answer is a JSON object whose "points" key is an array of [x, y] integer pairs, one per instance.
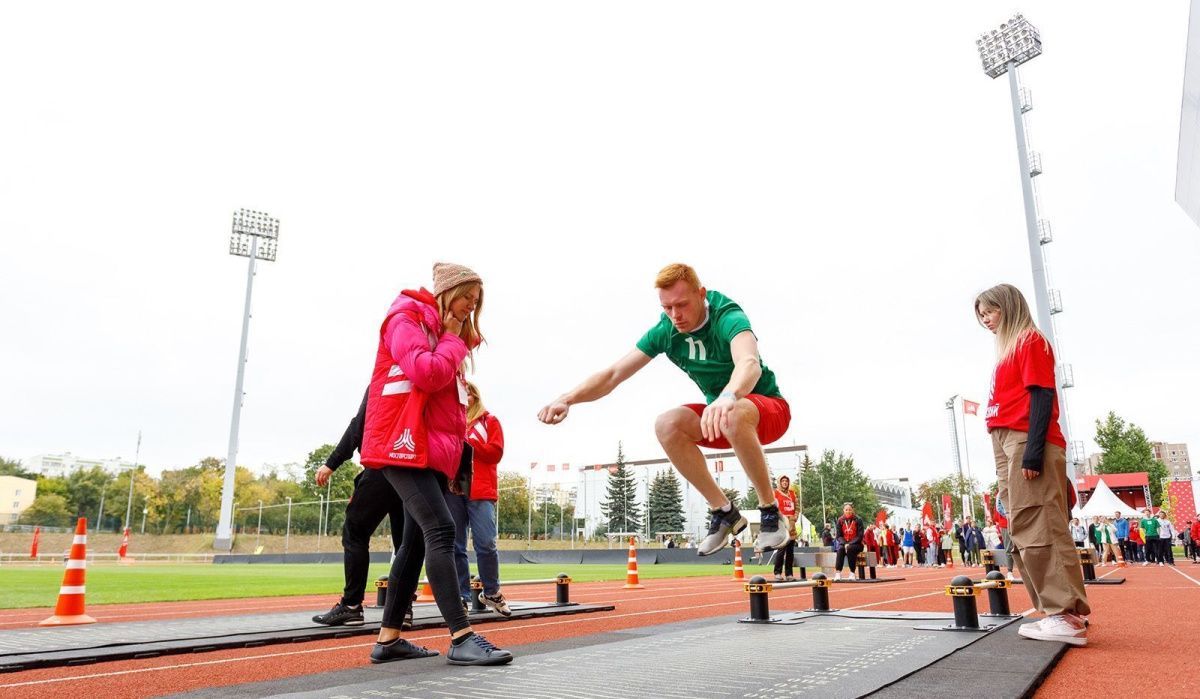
{"points": [[1128, 621]]}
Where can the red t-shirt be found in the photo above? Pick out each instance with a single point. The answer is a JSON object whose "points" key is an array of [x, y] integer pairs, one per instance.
{"points": [[787, 503], [1031, 364]]}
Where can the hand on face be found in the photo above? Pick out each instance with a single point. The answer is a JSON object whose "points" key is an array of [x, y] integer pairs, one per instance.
{"points": [[452, 323]]}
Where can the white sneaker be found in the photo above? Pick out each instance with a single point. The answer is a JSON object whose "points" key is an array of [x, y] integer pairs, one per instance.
{"points": [[1010, 576], [837, 576], [1056, 627], [851, 577]]}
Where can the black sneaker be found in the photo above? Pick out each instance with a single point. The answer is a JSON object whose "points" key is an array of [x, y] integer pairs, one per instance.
{"points": [[399, 649], [341, 615], [770, 535], [476, 650], [721, 525]]}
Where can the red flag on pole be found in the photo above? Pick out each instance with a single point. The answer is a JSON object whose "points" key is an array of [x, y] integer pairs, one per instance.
{"points": [[970, 407], [37, 533], [947, 511], [927, 513]]}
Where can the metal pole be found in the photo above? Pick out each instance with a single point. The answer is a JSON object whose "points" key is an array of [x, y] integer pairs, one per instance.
{"points": [[1037, 261], [970, 493], [188, 526], [287, 534], [224, 537], [145, 510], [529, 515], [100, 515], [824, 517], [258, 535], [129, 503], [320, 515], [950, 405], [328, 505]]}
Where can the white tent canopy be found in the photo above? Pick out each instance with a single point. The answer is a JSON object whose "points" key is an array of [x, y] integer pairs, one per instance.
{"points": [[1104, 503]]}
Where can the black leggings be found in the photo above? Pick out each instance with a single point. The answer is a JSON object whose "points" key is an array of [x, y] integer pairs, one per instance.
{"points": [[428, 537], [785, 558], [848, 553], [373, 498]]}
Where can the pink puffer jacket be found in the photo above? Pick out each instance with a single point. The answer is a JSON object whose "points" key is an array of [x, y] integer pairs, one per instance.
{"points": [[432, 361]]}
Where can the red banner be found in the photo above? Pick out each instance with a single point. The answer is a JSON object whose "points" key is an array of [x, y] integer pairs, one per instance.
{"points": [[947, 511], [987, 507], [926, 513], [124, 545], [881, 518], [37, 533], [970, 407]]}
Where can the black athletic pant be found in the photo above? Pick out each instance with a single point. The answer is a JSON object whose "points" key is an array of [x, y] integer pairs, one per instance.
{"points": [[785, 559], [848, 552], [428, 537], [373, 498]]}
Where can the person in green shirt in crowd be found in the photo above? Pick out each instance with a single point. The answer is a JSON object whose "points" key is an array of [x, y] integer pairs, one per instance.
{"points": [[708, 336], [1150, 531]]}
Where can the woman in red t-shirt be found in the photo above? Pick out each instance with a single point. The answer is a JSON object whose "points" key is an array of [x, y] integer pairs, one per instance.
{"points": [[785, 557], [1030, 453]]}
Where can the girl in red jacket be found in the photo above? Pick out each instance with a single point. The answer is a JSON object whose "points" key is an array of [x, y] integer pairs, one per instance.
{"points": [[415, 424], [1030, 454], [477, 510]]}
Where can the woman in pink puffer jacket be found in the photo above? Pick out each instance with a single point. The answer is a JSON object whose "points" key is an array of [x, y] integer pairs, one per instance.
{"points": [[424, 342]]}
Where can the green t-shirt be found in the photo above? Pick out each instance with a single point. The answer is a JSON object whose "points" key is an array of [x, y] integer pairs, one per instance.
{"points": [[706, 355], [1150, 528]]}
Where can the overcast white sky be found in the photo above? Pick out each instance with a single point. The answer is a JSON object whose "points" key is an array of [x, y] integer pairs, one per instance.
{"points": [[847, 174]]}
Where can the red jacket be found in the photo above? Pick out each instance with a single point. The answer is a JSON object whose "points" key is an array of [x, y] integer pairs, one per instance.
{"points": [[1195, 533], [487, 439], [415, 355]]}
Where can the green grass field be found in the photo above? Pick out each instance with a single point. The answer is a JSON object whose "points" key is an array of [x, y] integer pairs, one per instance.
{"points": [[110, 584]]}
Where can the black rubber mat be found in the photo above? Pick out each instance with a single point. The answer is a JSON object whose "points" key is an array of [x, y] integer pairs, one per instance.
{"points": [[825, 656], [25, 649]]}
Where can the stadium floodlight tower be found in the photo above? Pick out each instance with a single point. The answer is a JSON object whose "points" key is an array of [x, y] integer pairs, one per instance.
{"points": [[255, 235], [1001, 50]]}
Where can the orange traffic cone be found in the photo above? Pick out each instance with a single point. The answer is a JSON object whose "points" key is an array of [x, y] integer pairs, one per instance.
{"points": [[123, 552], [631, 574], [69, 609], [738, 573], [426, 592]]}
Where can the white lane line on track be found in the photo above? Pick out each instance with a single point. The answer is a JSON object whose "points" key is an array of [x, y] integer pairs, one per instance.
{"points": [[492, 630], [1185, 575]]}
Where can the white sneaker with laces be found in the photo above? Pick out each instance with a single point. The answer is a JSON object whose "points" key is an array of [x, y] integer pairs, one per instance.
{"points": [[851, 577], [1064, 628], [837, 576]]}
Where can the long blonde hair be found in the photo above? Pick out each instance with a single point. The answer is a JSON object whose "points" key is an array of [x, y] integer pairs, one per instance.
{"points": [[470, 332], [1016, 323], [474, 403]]}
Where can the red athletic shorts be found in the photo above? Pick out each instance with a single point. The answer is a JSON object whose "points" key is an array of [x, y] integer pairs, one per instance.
{"points": [[774, 416]]}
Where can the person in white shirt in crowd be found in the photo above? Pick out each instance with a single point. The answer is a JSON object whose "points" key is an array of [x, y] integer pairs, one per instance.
{"points": [[1166, 539]]}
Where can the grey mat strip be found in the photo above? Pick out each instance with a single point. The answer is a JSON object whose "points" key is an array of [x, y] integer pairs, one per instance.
{"points": [[26, 649], [822, 657]]}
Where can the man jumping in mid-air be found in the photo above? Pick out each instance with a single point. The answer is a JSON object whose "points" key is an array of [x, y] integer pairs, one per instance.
{"points": [[708, 336]]}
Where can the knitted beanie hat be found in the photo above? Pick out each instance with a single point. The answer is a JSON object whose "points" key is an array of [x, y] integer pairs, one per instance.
{"points": [[447, 275]]}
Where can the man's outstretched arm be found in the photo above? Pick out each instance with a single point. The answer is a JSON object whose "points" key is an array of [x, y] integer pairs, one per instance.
{"points": [[594, 387]]}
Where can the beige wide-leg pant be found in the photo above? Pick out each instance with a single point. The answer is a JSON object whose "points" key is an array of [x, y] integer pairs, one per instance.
{"points": [[1038, 514]]}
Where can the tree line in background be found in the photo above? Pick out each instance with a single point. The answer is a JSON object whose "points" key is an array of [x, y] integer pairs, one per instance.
{"points": [[189, 499]]}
